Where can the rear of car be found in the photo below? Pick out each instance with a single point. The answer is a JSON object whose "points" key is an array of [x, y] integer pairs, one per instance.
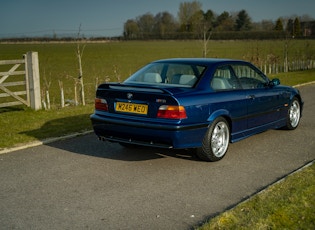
{"points": [[151, 107]]}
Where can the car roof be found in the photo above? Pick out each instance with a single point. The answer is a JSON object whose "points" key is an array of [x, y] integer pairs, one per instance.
{"points": [[199, 61]]}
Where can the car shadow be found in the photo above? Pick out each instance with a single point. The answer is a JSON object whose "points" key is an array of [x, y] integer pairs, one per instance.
{"points": [[87, 143], [59, 127], [90, 145]]}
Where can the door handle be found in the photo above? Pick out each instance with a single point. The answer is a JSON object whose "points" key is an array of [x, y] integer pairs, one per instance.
{"points": [[251, 97]]}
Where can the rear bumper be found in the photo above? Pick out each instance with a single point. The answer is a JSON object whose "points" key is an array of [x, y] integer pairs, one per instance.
{"points": [[148, 134]]}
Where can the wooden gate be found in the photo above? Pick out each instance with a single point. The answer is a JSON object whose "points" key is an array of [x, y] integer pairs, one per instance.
{"points": [[20, 84]]}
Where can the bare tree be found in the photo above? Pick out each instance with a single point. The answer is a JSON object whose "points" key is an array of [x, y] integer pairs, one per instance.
{"points": [[79, 53], [206, 28], [45, 92], [206, 37], [62, 95]]}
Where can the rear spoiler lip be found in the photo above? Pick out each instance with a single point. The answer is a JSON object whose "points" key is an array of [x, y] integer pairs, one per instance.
{"points": [[135, 87]]}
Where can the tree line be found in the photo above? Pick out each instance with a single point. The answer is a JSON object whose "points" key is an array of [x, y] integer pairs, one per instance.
{"points": [[194, 23]]}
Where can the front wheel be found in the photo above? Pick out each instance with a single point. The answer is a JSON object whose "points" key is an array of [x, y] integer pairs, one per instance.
{"points": [[294, 114], [216, 141]]}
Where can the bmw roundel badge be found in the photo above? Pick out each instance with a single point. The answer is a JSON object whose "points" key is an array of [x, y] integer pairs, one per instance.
{"points": [[129, 96]]}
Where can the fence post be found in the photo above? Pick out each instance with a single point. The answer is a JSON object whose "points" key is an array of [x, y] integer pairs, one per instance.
{"points": [[32, 75]]}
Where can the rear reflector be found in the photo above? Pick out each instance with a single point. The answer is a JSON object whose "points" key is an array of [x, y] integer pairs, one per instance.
{"points": [[101, 104], [172, 112]]}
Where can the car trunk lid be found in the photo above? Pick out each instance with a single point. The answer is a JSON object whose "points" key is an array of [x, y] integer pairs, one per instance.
{"points": [[135, 100]]}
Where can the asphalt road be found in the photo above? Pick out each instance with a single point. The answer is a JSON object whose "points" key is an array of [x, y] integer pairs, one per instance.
{"points": [[82, 183]]}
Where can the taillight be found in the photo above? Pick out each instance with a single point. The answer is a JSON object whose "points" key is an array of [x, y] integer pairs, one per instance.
{"points": [[172, 112], [101, 104]]}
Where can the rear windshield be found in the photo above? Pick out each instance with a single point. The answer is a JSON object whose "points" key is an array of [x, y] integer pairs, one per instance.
{"points": [[168, 74]]}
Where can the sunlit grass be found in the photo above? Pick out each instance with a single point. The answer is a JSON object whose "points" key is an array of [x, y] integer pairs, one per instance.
{"points": [[289, 204], [25, 125], [295, 78]]}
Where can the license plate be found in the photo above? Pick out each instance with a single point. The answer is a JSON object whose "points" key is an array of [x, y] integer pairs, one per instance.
{"points": [[131, 108]]}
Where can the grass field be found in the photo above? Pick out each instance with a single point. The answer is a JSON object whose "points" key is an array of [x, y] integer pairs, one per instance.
{"points": [[115, 61], [21, 125], [286, 205]]}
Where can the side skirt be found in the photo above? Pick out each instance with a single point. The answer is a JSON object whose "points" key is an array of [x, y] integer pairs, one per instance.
{"points": [[250, 132]]}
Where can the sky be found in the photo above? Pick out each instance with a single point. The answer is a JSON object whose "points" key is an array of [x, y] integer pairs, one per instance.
{"points": [[20, 18]]}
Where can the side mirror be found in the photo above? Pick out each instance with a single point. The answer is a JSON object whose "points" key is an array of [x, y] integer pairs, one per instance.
{"points": [[274, 82]]}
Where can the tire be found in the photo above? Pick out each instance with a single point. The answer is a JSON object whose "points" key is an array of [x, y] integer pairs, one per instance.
{"points": [[216, 141], [293, 115]]}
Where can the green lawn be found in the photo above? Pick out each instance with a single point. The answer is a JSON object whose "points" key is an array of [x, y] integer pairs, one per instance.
{"points": [[289, 204], [295, 78], [21, 125]]}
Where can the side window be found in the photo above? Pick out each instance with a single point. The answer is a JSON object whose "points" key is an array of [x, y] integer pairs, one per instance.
{"points": [[224, 79], [248, 77]]}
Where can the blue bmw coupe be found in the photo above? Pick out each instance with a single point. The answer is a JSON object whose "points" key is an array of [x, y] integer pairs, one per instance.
{"points": [[191, 103]]}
